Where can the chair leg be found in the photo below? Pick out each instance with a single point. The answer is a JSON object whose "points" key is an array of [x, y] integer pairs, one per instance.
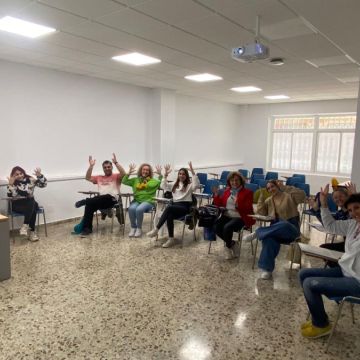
{"points": [[112, 220], [255, 251], [45, 225], [334, 326], [292, 256], [12, 229], [210, 243], [182, 236]]}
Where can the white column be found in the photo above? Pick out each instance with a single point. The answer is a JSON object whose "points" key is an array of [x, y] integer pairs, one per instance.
{"points": [[355, 175]]}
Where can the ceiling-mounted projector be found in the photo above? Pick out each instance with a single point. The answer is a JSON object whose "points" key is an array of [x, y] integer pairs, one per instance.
{"points": [[250, 52]]}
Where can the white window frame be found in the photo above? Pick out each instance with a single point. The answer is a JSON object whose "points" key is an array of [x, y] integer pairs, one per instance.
{"points": [[316, 132]]}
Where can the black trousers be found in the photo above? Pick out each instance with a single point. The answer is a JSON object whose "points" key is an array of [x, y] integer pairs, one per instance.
{"points": [[174, 211], [225, 228], [28, 208], [96, 203]]}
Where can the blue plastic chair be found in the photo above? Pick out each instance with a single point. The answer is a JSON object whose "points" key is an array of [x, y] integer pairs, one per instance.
{"points": [[262, 183], [295, 180], [245, 173], [207, 192], [272, 175], [252, 187], [302, 176], [257, 171], [223, 177], [352, 300], [202, 178], [304, 187], [257, 177]]}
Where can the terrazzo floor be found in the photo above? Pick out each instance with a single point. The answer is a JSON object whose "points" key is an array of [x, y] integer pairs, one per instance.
{"points": [[111, 297]]}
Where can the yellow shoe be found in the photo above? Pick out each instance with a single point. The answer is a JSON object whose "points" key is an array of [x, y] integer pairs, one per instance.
{"points": [[306, 324], [313, 332]]}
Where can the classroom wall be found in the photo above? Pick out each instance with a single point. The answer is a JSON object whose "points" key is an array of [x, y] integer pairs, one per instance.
{"points": [[254, 125]]}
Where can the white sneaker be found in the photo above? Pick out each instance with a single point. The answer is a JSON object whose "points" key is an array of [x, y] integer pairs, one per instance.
{"points": [[132, 232], [24, 230], [229, 255], [154, 232], [266, 275], [236, 249], [250, 237], [138, 233], [33, 236], [169, 243]]}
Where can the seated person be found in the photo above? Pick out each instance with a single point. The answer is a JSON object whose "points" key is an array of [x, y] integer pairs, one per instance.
{"points": [[333, 282], [108, 187], [181, 204], [144, 188], [282, 205], [22, 184], [238, 203]]}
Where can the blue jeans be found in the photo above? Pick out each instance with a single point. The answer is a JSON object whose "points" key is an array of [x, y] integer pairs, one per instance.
{"points": [[282, 232], [329, 282], [136, 213]]}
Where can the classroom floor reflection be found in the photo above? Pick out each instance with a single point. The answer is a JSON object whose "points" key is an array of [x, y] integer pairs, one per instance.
{"points": [[111, 297]]}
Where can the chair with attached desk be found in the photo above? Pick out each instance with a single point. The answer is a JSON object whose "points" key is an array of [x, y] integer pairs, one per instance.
{"points": [[256, 177], [272, 175], [13, 214], [245, 173], [207, 191], [223, 177]]}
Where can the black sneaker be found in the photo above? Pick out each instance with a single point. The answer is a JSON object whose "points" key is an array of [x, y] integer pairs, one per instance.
{"points": [[85, 232], [80, 203]]}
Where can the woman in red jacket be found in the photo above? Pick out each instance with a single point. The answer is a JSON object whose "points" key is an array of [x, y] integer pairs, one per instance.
{"points": [[238, 203]]}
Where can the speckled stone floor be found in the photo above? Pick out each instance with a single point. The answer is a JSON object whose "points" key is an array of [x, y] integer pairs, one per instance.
{"points": [[111, 297]]}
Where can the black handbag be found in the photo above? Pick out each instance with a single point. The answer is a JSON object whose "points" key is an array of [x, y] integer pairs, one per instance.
{"points": [[208, 215]]}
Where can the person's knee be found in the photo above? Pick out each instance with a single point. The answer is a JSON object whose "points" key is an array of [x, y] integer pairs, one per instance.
{"points": [[139, 211]]}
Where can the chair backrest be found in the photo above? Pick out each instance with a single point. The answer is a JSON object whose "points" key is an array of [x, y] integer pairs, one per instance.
{"points": [[261, 182], [331, 204], [245, 173], [210, 184], [305, 187], [252, 187], [202, 178], [257, 171], [257, 177], [272, 175], [223, 176], [291, 181], [302, 176]]}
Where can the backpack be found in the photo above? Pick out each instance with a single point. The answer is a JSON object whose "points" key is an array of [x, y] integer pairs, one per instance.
{"points": [[208, 215]]}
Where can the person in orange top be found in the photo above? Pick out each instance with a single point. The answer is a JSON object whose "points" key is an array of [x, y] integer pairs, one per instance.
{"points": [[238, 203]]}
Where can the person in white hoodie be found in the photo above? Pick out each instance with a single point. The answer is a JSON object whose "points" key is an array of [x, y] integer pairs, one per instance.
{"points": [[182, 192], [333, 282]]}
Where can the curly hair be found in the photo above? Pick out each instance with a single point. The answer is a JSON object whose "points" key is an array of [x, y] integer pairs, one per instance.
{"points": [[150, 170]]}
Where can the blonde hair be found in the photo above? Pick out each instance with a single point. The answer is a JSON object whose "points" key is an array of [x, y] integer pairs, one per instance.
{"points": [[150, 169]]}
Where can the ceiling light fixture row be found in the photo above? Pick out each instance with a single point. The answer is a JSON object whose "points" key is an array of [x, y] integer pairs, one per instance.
{"points": [[32, 30]]}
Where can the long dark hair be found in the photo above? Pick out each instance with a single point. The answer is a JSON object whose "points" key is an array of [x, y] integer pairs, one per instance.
{"points": [[18, 168], [186, 182]]}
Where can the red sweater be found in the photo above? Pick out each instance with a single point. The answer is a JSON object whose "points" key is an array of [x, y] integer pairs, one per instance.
{"points": [[244, 201]]}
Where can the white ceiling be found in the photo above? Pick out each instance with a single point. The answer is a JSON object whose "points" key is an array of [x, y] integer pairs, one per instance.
{"points": [[193, 36]]}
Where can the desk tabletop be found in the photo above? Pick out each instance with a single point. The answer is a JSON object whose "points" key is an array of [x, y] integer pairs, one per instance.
{"points": [[320, 253], [202, 195], [89, 192], [3, 218], [262, 217], [162, 199]]}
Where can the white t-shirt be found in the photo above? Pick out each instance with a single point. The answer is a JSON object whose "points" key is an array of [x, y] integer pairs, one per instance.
{"points": [[107, 185]]}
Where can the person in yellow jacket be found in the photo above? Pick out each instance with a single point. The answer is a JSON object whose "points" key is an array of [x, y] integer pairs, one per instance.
{"points": [[144, 187]]}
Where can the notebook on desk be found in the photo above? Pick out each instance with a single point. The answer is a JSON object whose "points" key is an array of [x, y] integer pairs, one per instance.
{"points": [[319, 252]]}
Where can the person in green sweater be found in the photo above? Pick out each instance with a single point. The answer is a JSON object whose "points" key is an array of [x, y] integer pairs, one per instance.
{"points": [[144, 187]]}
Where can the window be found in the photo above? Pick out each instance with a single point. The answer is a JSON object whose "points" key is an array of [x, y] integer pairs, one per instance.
{"points": [[316, 143]]}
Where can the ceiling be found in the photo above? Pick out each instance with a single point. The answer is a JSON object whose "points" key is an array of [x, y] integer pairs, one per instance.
{"points": [[196, 36]]}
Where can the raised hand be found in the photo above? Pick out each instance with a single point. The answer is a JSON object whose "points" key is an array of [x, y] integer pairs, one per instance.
{"points": [[114, 160], [191, 168], [11, 180], [37, 172], [158, 169], [351, 188], [91, 161], [132, 169], [324, 195], [167, 169], [215, 190]]}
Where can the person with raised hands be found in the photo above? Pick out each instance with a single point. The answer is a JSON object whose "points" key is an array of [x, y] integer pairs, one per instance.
{"points": [[108, 188], [22, 186], [144, 187], [337, 281], [182, 191]]}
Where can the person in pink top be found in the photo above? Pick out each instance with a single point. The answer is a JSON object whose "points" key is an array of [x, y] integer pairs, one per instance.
{"points": [[108, 188]]}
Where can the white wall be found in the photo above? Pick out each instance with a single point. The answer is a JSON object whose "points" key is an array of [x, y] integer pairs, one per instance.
{"points": [[207, 133], [355, 176], [254, 124]]}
